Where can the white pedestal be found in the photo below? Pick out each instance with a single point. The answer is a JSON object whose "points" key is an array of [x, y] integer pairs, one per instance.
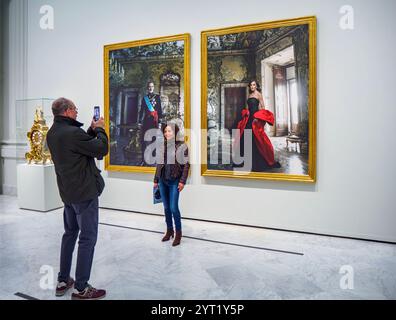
{"points": [[37, 188]]}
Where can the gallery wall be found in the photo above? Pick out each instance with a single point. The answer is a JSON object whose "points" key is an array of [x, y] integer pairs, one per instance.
{"points": [[354, 193], [2, 23], [15, 73]]}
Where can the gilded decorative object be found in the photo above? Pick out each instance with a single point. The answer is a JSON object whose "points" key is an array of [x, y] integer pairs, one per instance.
{"points": [[37, 135]]}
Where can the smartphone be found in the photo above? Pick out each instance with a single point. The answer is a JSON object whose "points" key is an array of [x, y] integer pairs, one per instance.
{"points": [[96, 113]]}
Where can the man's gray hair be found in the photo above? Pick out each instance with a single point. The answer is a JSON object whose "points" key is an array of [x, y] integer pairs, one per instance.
{"points": [[60, 105]]}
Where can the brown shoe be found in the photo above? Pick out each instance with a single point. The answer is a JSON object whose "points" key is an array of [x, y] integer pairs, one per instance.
{"points": [[89, 293], [62, 287], [169, 234], [177, 240]]}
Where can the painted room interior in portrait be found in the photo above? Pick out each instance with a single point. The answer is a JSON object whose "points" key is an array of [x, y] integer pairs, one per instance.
{"points": [[146, 85], [276, 122]]}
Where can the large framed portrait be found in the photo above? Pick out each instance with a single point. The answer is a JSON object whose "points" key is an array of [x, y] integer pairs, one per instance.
{"points": [[259, 101], [147, 84]]}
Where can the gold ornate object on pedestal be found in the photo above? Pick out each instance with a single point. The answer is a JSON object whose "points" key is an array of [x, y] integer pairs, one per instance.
{"points": [[37, 135]]}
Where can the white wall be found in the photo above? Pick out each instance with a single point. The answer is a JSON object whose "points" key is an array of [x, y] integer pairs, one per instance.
{"points": [[14, 87], [1, 80], [354, 194]]}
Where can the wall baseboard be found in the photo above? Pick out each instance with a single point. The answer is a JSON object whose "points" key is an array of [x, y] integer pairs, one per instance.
{"points": [[11, 154], [9, 190], [13, 151]]}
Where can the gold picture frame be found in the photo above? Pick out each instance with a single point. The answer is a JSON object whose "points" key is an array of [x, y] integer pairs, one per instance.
{"points": [[156, 63], [223, 38]]}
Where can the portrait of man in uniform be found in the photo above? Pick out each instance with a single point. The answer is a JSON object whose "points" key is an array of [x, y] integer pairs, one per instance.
{"points": [[146, 85], [150, 115]]}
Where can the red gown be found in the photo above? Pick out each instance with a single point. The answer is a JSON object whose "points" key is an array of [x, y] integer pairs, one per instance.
{"points": [[257, 120]]}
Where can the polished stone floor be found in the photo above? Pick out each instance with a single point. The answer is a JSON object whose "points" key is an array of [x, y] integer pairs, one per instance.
{"points": [[215, 261]]}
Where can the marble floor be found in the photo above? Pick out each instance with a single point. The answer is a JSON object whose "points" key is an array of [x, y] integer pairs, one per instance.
{"points": [[214, 262]]}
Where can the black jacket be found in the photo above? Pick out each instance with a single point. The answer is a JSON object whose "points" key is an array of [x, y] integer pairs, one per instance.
{"points": [[73, 151], [177, 170]]}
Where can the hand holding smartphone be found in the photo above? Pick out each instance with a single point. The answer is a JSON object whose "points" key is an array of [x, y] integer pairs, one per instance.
{"points": [[96, 113], [97, 121]]}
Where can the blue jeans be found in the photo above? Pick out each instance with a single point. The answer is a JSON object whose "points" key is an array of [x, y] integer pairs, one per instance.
{"points": [[79, 218], [170, 198]]}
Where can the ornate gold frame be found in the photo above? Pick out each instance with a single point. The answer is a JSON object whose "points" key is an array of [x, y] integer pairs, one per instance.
{"points": [[311, 177], [187, 110]]}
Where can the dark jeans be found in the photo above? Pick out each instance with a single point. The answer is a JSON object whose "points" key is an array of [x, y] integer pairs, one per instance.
{"points": [[80, 217], [170, 198]]}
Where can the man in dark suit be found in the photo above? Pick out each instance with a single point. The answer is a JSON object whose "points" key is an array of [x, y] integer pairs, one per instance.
{"points": [[80, 184], [150, 115]]}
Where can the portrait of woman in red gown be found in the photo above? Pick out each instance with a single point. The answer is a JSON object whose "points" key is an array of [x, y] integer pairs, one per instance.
{"points": [[254, 117]]}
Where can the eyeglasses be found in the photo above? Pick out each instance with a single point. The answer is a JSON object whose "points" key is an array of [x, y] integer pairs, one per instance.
{"points": [[73, 108]]}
